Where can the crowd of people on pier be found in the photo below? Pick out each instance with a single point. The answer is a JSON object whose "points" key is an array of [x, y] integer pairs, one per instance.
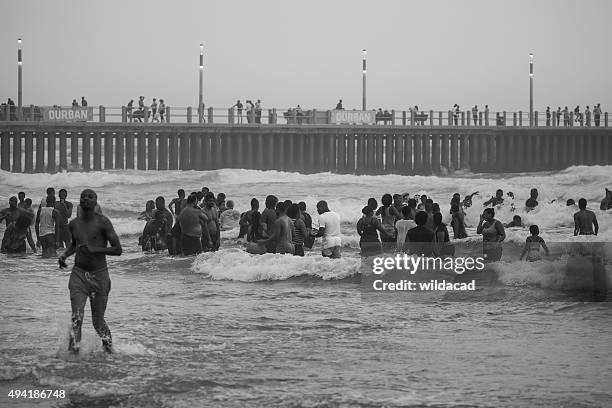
{"points": [[155, 113], [75, 104], [252, 111], [580, 118]]}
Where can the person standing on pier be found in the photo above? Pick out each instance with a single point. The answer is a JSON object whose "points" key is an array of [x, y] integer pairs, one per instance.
{"points": [[258, 111], [587, 116], [558, 116], [475, 115], [83, 102], [162, 110], [566, 119], [548, 116], [130, 108], [597, 114], [238, 105], [154, 111]]}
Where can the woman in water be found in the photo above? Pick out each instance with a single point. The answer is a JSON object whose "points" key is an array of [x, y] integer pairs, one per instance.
{"points": [[493, 234]]}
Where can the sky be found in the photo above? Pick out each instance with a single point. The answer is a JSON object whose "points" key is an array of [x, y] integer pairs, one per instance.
{"points": [[427, 53]]}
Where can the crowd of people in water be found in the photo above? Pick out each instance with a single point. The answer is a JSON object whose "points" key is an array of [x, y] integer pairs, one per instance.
{"points": [[191, 224]]}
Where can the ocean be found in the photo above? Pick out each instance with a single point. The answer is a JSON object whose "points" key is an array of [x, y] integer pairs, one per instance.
{"points": [[230, 329]]}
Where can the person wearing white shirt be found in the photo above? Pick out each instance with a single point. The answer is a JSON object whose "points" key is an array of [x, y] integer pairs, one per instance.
{"points": [[329, 229]]}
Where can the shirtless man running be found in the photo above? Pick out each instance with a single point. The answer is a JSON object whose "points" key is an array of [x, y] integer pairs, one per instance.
{"points": [[584, 220], [91, 235]]}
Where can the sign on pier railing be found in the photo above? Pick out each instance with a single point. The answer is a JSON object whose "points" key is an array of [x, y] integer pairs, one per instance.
{"points": [[60, 114], [353, 117]]}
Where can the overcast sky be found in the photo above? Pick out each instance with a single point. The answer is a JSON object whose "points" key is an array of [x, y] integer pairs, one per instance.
{"points": [[427, 53]]}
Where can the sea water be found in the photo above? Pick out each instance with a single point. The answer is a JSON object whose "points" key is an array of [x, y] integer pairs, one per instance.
{"points": [[230, 329]]}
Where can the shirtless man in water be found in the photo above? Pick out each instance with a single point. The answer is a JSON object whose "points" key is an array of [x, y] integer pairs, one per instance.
{"points": [[17, 222], [193, 227], [91, 235], [584, 220], [284, 232]]}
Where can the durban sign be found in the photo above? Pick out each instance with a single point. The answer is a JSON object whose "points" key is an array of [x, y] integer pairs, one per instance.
{"points": [[353, 117], [67, 114]]}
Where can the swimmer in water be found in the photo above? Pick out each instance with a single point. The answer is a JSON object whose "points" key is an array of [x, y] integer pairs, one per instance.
{"points": [[498, 199], [516, 222], [585, 220], [467, 201], [284, 232], [532, 245], [532, 201], [17, 222], [178, 203], [606, 203], [64, 209], [93, 237]]}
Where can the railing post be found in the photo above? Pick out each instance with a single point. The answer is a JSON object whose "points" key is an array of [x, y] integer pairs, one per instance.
{"points": [[462, 118], [123, 114], [403, 118], [275, 116], [146, 114], [479, 118], [230, 116], [514, 121], [520, 118], [167, 114], [412, 113], [101, 114], [486, 117], [535, 118], [431, 118], [440, 118], [210, 115], [554, 118], [189, 114], [393, 117], [571, 119], [606, 119], [505, 123], [450, 118]]}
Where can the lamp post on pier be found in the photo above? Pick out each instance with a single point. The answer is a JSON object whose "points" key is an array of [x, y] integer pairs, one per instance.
{"points": [[531, 122], [201, 93], [363, 105], [19, 80]]}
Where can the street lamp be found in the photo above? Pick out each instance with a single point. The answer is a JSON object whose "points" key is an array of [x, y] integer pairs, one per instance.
{"points": [[364, 80], [19, 78], [531, 123], [201, 94]]}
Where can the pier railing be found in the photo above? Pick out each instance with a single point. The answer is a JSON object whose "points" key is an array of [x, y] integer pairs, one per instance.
{"points": [[289, 116], [34, 147]]}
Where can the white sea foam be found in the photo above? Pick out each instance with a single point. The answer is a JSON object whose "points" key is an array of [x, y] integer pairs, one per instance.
{"points": [[236, 264]]}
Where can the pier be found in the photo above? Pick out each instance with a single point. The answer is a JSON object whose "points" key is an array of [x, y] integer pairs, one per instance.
{"points": [[49, 147]]}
